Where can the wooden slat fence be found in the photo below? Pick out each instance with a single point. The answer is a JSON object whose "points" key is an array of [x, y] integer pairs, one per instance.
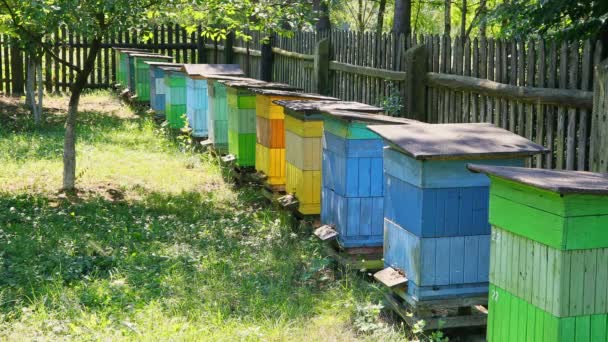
{"points": [[565, 65], [172, 40], [368, 69]]}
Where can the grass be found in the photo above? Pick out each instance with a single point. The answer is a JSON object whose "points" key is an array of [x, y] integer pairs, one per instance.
{"points": [[157, 244]]}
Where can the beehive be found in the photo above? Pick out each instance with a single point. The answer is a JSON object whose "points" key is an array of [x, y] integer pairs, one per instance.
{"points": [[157, 86], [122, 64], [175, 97], [142, 74], [241, 108], [270, 142], [352, 198], [217, 111], [303, 141], [131, 67], [549, 255], [436, 226], [197, 97]]}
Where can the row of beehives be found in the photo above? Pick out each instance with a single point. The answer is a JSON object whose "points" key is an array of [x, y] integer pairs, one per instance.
{"points": [[536, 240]]}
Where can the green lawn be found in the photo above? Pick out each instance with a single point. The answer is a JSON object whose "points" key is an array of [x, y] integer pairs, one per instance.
{"points": [[157, 244]]}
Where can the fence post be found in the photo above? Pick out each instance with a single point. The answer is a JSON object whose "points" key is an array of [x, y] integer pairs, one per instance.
{"points": [[415, 85], [321, 67], [599, 125], [200, 45], [17, 69], [228, 50], [267, 59]]}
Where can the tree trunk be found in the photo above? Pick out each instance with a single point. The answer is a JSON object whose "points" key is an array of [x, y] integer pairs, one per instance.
{"points": [[40, 87], [322, 9], [69, 143], [463, 20], [30, 77], [447, 26], [402, 17], [360, 23], [483, 27], [380, 18], [379, 29]]}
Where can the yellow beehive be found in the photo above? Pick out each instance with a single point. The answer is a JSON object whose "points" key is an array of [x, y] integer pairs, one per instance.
{"points": [[271, 132], [303, 148]]}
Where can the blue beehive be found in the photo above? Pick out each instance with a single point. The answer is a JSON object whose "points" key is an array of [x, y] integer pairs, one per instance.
{"points": [[157, 86], [197, 97], [353, 188], [436, 228]]}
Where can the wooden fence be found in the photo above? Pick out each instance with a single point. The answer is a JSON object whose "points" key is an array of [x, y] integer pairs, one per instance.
{"points": [[540, 90], [172, 40]]}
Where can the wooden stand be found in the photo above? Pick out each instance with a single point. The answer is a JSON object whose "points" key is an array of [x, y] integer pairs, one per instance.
{"points": [[438, 314], [242, 175], [360, 258]]}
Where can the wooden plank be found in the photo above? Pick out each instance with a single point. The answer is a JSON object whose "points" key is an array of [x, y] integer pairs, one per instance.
{"points": [[491, 117], [540, 109], [521, 81], [563, 97], [551, 112], [561, 111], [511, 114], [527, 77], [572, 119], [483, 73], [584, 118], [367, 71], [504, 66], [458, 64], [470, 103]]}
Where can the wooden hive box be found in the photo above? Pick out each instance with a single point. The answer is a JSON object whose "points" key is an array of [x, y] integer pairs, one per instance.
{"points": [[352, 196], [242, 118], [549, 255], [436, 226], [130, 67], [175, 97], [157, 86], [217, 113], [303, 147], [122, 64], [142, 74], [197, 99], [270, 120]]}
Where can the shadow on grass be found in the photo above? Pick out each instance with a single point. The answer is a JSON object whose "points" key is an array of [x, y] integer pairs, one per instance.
{"points": [[185, 251], [46, 140]]}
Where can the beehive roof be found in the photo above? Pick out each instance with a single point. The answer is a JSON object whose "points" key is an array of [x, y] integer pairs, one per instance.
{"points": [[150, 55], [204, 70], [563, 182], [351, 115], [313, 107], [457, 141], [169, 64], [291, 92], [255, 85]]}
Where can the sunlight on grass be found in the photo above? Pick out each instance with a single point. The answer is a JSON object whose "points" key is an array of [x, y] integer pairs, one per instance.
{"points": [[158, 245]]}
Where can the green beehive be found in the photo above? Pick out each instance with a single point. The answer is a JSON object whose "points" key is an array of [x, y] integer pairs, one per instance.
{"points": [[175, 97], [241, 104], [142, 74], [217, 111], [122, 64], [548, 255]]}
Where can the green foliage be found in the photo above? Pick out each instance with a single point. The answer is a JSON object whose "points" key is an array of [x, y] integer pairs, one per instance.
{"points": [[393, 102], [562, 19]]}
